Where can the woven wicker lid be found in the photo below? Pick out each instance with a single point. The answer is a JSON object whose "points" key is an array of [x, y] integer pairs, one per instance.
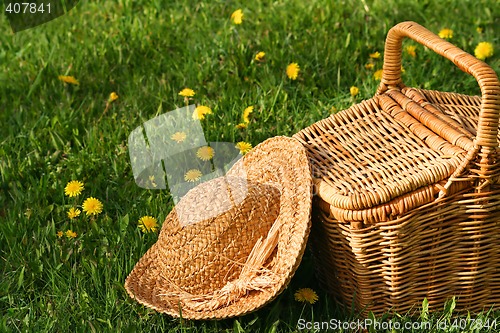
{"points": [[232, 244]]}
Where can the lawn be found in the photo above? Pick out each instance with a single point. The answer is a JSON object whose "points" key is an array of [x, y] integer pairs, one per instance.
{"points": [[146, 52]]}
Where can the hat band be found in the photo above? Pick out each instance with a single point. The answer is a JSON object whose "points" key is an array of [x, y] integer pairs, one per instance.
{"points": [[253, 277]]}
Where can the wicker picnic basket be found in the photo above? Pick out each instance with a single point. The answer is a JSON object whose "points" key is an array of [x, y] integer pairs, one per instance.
{"points": [[407, 202]]}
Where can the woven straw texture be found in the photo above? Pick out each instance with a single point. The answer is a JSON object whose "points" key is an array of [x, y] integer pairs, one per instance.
{"points": [[408, 191], [214, 266]]}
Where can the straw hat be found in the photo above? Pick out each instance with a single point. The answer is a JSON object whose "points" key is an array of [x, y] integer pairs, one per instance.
{"points": [[231, 244]]}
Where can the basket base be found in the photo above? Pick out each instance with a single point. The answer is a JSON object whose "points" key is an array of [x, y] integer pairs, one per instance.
{"points": [[450, 248]]}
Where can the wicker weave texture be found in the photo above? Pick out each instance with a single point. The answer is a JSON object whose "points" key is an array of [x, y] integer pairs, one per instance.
{"points": [[437, 251], [408, 191]]}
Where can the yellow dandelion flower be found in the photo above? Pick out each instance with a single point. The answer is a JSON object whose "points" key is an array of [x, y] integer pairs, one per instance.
{"points": [[152, 180], [73, 212], [374, 55], [483, 50], [112, 97], [403, 69], [71, 234], [237, 16], [244, 147], [479, 30], [192, 175], [178, 137], [73, 188], [446, 33], [200, 112], [260, 56], [411, 50], [60, 234], [148, 224], [306, 295], [92, 206], [205, 153], [186, 92], [246, 113], [378, 74], [292, 71], [354, 91], [242, 125], [369, 65], [68, 79]]}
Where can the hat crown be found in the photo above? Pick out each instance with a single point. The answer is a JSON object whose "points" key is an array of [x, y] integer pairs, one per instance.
{"points": [[213, 231]]}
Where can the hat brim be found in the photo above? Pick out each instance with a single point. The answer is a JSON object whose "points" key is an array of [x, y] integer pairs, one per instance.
{"points": [[279, 161]]}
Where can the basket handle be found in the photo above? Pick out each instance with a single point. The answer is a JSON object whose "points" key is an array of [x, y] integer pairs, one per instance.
{"points": [[487, 130]]}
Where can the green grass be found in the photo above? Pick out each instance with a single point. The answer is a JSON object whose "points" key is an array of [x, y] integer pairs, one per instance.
{"points": [[147, 51]]}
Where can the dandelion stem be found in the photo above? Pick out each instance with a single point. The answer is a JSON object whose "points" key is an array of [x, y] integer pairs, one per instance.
{"points": [[105, 111]]}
